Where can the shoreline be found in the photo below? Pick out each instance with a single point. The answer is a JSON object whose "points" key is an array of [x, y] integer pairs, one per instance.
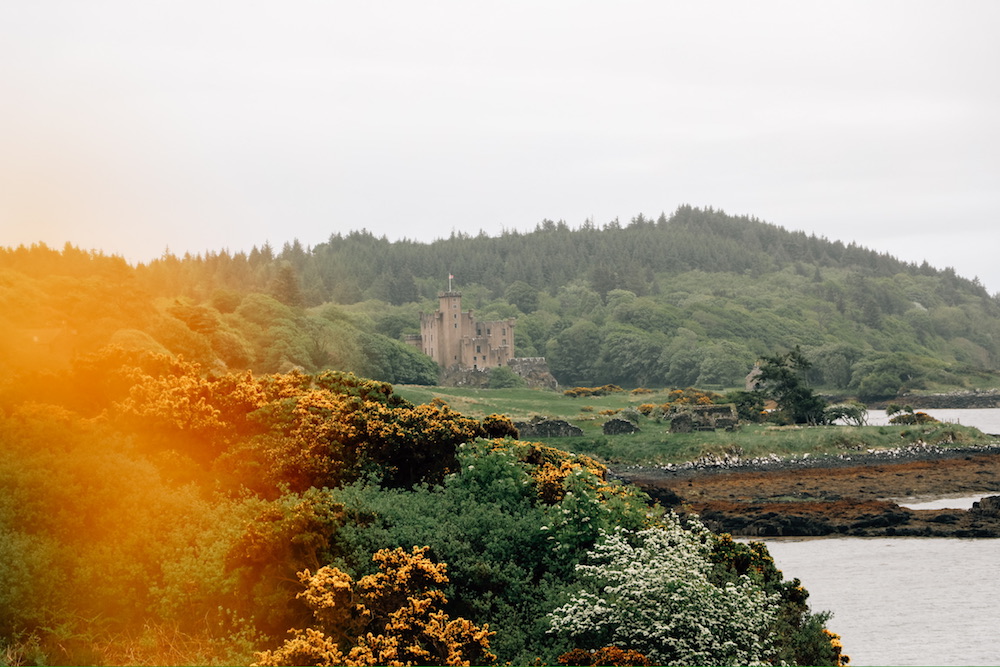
{"points": [[860, 458], [846, 495]]}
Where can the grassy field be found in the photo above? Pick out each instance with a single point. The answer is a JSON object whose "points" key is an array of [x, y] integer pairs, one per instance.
{"points": [[655, 445]]}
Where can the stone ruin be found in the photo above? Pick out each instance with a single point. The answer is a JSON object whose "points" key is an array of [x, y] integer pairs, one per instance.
{"points": [[539, 427], [704, 418], [619, 426]]}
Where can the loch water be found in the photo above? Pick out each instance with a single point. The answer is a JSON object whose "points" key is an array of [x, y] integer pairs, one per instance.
{"points": [[906, 600], [986, 420], [903, 601]]}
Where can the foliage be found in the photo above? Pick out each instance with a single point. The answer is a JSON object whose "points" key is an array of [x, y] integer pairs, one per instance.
{"points": [[852, 413], [608, 655], [689, 396], [508, 522], [904, 415], [503, 377], [393, 617], [798, 638], [749, 404], [781, 379], [158, 510], [650, 592], [683, 313], [499, 426], [577, 392]]}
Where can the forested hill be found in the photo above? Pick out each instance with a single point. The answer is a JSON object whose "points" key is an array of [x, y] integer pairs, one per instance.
{"points": [[690, 299], [360, 266]]}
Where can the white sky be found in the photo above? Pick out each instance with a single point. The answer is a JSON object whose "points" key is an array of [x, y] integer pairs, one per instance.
{"points": [[133, 126]]}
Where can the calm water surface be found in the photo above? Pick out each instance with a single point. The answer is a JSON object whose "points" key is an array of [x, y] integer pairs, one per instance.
{"points": [[903, 601], [907, 601], [986, 420]]}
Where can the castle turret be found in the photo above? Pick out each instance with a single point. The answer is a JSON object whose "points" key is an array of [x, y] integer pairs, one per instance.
{"points": [[453, 338]]}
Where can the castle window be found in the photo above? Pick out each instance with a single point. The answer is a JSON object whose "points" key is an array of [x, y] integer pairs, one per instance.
{"points": [[456, 325], [487, 332], [503, 342], [504, 331], [478, 349]]}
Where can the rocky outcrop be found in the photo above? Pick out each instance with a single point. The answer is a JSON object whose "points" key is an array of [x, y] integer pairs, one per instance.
{"points": [[617, 426], [465, 377], [547, 428], [535, 371], [988, 506], [834, 496]]}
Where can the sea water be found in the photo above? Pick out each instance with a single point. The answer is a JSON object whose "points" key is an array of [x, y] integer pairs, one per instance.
{"points": [[903, 601], [986, 420], [907, 600]]}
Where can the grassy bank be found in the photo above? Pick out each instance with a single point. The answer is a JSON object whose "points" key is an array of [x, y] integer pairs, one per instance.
{"points": [[655, 445]]}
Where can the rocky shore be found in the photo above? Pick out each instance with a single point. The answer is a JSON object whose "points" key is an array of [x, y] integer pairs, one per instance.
{"points": [[855, 494], [952, 400]]}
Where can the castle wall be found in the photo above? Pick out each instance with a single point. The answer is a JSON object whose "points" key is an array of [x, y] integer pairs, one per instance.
{"points": [[452, 337]]}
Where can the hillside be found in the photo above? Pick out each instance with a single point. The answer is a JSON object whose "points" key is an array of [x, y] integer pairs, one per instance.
{"points": [[690, 299]]}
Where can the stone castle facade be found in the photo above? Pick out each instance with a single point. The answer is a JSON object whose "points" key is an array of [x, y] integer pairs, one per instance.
{"points": [[455, 339]]}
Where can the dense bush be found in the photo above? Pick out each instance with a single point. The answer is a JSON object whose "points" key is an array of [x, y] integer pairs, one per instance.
{"points": [[154, 512]]}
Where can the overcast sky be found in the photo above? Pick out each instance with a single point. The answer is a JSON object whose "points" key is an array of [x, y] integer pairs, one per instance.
{"points": [[132, 127]]}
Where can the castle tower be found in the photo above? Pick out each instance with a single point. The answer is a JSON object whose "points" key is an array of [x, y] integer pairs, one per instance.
{"points": [[454, 338]]}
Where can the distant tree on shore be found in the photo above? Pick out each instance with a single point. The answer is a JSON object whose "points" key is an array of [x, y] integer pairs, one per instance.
{"points": [[781, 379]]}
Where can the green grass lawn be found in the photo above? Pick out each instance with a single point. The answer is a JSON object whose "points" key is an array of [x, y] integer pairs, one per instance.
{"points": [[655, 445], [522, 404]]}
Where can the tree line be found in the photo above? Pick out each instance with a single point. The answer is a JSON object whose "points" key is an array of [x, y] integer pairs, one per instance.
{"points": [[695, 298]]}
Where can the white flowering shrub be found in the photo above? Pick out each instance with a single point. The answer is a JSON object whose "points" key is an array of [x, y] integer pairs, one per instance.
{"points": [[649, 591]]}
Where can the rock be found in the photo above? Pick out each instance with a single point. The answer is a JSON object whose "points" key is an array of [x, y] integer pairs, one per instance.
{"points": [[616, 426], [535, 371], [548, 428], [704, 418], [682, 423], [666, 497], [988, 506]]}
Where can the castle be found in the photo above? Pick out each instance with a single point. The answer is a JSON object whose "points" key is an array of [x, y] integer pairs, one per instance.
{"points": [[455, 339]]}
